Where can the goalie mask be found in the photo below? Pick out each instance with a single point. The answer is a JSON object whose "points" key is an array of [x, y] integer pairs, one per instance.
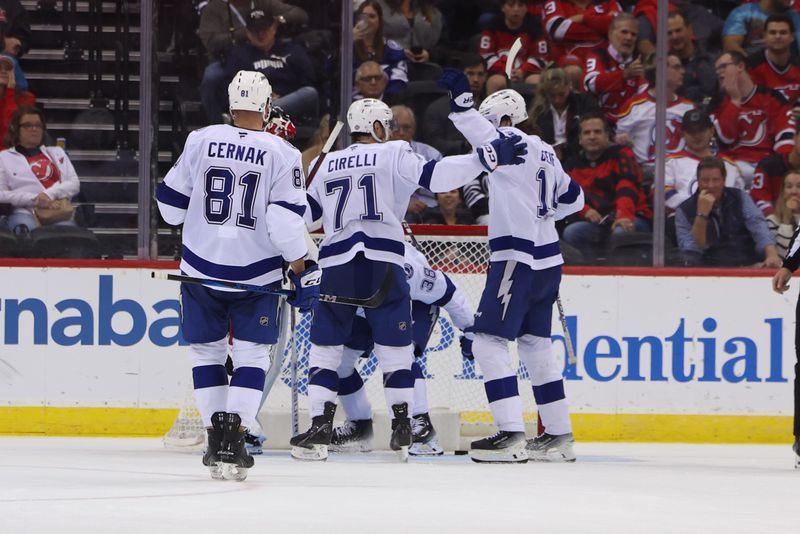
{"points": [[505, 103], [363, 113], [280, 124], [250, 91]]}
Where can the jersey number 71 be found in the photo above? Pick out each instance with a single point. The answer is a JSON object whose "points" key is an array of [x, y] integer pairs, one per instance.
{"points": [[342, 187]]}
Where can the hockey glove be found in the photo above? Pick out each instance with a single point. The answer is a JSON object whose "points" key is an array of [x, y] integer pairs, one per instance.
{"points": [[306, 287], [502, 151], [466, 346], [457, 86]]}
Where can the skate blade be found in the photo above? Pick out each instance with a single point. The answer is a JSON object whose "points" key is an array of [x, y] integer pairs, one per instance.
{"points": [[216, 470], [316, 453], [402, 453], [432, 448], [352, 447], [508, 456], [234, 472], [553, 457]]}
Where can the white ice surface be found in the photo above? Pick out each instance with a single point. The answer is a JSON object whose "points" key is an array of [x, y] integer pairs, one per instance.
{"points": [[116, 486]]}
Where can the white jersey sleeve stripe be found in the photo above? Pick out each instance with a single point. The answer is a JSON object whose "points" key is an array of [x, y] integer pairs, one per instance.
{"points": [[231, 272], [314, 208], [172, 204], [294, 208]]}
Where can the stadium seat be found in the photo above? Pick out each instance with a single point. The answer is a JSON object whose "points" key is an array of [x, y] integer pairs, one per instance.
{"points": [[423, 71], [631, 248], [61, 241], [9, 246]]}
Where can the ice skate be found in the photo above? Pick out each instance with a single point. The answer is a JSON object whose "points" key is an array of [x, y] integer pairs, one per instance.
{"points": [[503, 447], [796, 449], [352, 436], [254, 439], [549, 448], [216, 434], [425, 442], [235, 459], [401, 431], [313, 444]]}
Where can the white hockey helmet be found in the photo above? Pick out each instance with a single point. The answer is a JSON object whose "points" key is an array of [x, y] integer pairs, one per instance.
{"points": [[504, 103], [250, 91], [362, 114]]}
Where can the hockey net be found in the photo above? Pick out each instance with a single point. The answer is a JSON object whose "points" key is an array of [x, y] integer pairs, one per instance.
{"points": [[455, 384]]}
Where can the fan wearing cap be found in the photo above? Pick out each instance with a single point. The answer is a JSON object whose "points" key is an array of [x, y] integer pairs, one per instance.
{"points": [[680, 171], [285, 64]]}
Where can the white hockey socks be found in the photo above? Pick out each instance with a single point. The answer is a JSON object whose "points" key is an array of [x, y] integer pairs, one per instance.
{"points": [[352, 395], [548, 383], [210, 377], [420, 391], [500, 381], [398, 381], [323, 382], [250, 361]]}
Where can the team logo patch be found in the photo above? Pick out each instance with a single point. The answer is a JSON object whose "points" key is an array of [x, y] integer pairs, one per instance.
{"points": [[263, 320], [402, 326]]}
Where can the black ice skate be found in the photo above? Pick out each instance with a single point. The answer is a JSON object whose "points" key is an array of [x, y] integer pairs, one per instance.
{"points": [[352, 436], [215, 436], [549, 448], [425, 442], [504, 447], [401, 431], [235, 459], [796, 449], [313, 444]]}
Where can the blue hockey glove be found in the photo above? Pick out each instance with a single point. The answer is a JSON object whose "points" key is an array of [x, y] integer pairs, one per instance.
{"points": [[502, 151], [306, 287], [456, 83], [466, 346]]}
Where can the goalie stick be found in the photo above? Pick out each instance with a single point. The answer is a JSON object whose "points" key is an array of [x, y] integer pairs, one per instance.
{"points": [[325, 149], [373, 301]]}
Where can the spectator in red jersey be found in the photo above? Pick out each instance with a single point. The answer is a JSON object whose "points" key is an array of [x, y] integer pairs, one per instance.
{"points": [[784, 221], [699, 78], [775, 66], [12, 97], [614, 74], [556, 111], [31, 174], [577, 26], [751, 121], [612, 184], [500, 34], [720, 226], [768, 176]]}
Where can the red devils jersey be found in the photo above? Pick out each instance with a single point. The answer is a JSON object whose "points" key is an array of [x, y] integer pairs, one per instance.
{"points": [[604, 78], [768, 181], [763, 124], [44, 169], [612, 184], [568, 37], [785, 79], [497, 38]]}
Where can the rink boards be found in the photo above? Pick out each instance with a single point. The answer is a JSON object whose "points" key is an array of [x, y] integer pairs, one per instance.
{"points": [[661, 356]]}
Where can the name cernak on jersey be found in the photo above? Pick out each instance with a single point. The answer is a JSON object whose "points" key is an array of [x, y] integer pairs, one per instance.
{"points": [[350, 162], [237, 152]]}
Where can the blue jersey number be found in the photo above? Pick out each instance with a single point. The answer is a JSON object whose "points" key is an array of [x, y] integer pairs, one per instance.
{"points": [[219, 182], [342, 187], [544, 207]]}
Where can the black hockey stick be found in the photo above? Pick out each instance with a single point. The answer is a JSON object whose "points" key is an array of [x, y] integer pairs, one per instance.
{"points": [[373, 301], [407, 230]]}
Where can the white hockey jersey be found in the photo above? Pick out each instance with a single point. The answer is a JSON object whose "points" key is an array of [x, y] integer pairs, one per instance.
{"points": [[680, 177], [240, 195], [436, 288], [638, 120], [362, 192], [525, 200]]}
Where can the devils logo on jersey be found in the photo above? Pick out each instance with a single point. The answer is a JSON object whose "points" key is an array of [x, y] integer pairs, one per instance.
{"points": [[752, 127], [44, 170]]}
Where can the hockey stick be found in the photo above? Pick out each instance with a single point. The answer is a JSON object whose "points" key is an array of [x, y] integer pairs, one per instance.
{"points": [[325, 149], [373, 301], [571, 359], [293, 370], [512, 56], [410, 234]]}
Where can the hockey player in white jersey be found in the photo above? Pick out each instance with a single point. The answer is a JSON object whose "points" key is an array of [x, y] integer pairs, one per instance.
{"points": [[361, 193], [522, 284], [430, 290], [240, 195]]}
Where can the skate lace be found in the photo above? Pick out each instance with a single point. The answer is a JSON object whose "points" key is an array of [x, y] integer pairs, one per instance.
{"points": [[417, 425], [347, 429]]}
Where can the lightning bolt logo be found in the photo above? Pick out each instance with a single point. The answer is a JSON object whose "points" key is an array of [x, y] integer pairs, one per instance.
{"points": [[504, 293]]}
